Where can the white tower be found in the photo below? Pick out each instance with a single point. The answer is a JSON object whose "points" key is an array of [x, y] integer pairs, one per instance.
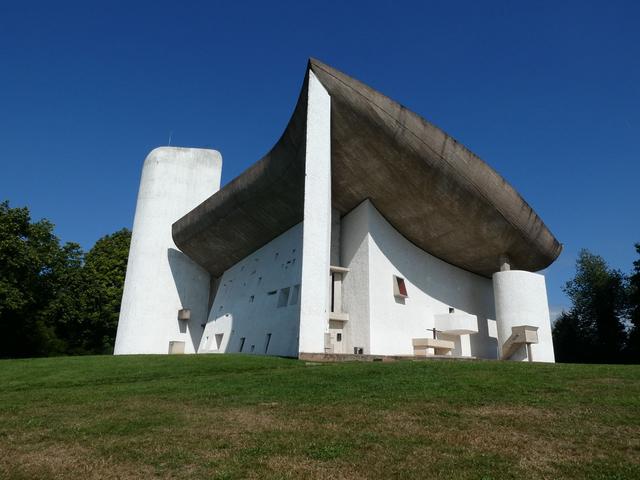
{"points": [[521, 304], [160, 279]]}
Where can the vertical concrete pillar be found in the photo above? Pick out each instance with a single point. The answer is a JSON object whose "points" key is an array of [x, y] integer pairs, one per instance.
{"points": [[505, 263], [521, 299], [160, 279], [316, 243]]}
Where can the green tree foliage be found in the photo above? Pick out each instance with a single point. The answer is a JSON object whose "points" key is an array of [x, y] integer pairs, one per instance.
{"points": [[31, 264], [53, 299], [105, 267], [593, 331], [568, 341], [633, 343]]}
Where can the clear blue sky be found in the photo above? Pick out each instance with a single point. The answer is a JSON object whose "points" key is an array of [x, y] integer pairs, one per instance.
{"points": [[548, 93]]}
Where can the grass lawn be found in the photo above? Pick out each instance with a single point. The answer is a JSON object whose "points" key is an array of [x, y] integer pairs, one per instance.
{"points": [[234, 416]]}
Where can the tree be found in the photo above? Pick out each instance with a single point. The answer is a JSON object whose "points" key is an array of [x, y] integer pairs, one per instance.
{"points": [[593, 330], [33, 268], [54, 299], [633, 342], [86, 308], [568, 343], [105, 268]]}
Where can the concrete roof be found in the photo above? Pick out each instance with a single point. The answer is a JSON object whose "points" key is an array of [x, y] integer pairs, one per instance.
{"points": [[432, 189]]}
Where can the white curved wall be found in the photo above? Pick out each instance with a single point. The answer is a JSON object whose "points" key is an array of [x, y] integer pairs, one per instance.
{"points": [[521, 299], [160, 279], [382, 324]]}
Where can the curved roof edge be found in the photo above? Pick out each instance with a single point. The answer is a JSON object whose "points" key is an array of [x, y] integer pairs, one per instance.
{"points": [[432, 189]]}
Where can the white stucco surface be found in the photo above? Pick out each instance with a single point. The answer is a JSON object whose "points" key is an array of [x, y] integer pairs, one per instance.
{"points": [[160, 279], [316, 243], [383, 324], [250, 301], [456, 323], [354, 253], [521, 299]]}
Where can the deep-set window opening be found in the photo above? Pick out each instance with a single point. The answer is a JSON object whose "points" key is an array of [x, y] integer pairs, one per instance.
{"points": [[399, 287], [283, 299]]}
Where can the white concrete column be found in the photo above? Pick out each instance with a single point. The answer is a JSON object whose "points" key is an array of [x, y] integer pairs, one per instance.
{"points": [[160, 279], [521, 299], [316, 243], [505, 263]]}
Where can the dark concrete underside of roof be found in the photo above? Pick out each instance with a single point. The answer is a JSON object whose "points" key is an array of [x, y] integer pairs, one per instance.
{"points": [[433, 190]]}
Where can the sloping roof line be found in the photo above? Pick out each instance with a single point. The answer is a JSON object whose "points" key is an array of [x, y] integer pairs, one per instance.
{"points": [[433, 190]]}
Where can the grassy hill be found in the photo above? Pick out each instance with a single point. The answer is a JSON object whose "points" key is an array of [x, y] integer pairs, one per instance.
{"points": [[251, 417]]}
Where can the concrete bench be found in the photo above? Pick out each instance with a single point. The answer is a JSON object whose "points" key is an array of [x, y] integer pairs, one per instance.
{"points": [[431, 346]]}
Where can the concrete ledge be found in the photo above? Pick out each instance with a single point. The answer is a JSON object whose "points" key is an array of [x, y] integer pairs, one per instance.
{"points": [[457, 323], [339, 316]]}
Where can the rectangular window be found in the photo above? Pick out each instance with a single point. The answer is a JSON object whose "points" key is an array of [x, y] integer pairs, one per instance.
{"points": [[266, 345], [283, 299], [339, 337], [295, 295], [399, 287], [241, 344], [333, 292]]}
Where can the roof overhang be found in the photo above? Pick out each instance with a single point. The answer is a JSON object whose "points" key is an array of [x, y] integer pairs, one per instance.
{"points": [[432, 189]]}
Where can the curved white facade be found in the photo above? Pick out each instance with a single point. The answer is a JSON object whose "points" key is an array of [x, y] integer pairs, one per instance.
{"points": [[160, 279], [521, 299], [375, 253]]}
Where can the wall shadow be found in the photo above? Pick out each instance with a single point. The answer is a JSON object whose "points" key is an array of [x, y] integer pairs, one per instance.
{"points": [[192, 283]]}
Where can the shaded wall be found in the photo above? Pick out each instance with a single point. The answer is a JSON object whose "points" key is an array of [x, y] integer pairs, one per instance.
{"points": [[258, 300]]}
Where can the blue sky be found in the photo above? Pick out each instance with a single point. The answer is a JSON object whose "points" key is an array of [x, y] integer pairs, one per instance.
{"points": [[548, 93]]}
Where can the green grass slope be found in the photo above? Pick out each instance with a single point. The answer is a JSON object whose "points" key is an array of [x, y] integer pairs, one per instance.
{"points": [[251, 417]]}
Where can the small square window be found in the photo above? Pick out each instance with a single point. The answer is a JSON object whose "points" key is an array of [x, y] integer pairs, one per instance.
{"points": [[399, 287], [452, 310], [283, 299], [295, 295]]}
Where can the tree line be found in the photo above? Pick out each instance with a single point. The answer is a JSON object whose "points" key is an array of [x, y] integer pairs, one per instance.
{"points": [[603, 323], [56, 299]]}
